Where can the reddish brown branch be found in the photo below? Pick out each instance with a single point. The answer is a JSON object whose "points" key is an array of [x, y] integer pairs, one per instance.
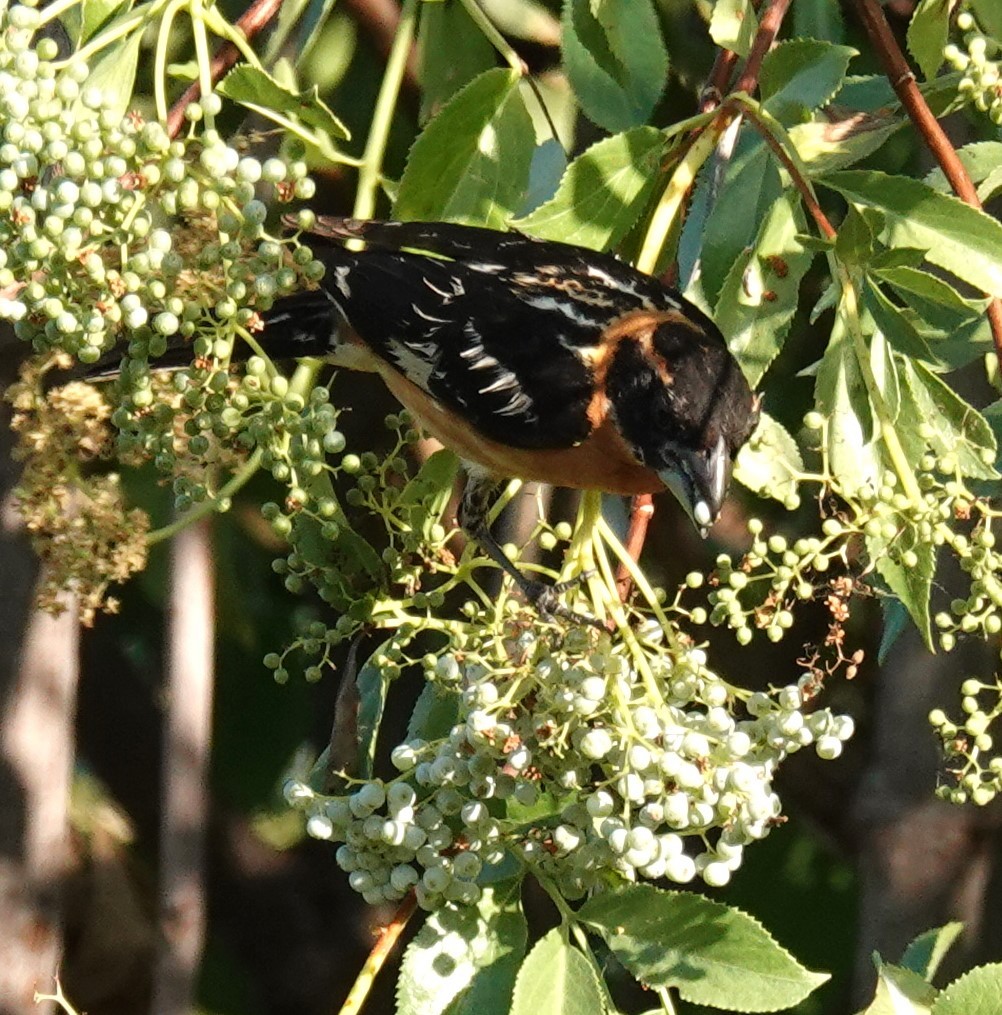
{"points": [[716, 83], [641, 513], [903, 82], [768, 29], [251, 22]]}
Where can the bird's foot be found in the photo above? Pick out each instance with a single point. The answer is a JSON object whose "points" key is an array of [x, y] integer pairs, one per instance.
{"points": [[544, 597]]}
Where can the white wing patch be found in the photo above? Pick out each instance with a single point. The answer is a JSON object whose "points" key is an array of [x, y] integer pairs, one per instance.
{"points": [[416, 361]]}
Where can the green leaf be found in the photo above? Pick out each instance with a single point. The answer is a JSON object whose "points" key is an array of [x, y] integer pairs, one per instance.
{"points": [[894, 325], [549, 163], [989, 16], [603, 192], [928, 950], [974, 993], [373, 686], [760, 295], [840, 394], [434, 714], [896, 621], [957, 237], [910, 580], [432, 488], [928, 32], [95, 13], [801, 75], [980, 159], [452, 51], [302, 113], [615, 59], [712, 954], [750, 188], [471, 163], [908, 280], [770, 463], [558, 980], [464, 959], [950, 425], [854, 243], [114, 72], [818, 19], [733, 25], [899, 992]]}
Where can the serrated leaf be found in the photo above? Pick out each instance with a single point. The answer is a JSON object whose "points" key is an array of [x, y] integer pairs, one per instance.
{"points": [[373, 685], [989, 15], [951, 425], [557, 979], [760, 295], [711, 953], [750, 188], [959, 238], [908, 280], [464, 959], [899, 992], [733, 25], [114, 72], [974, 993], [910, 581], [818, 19], [603, 192], [471, 163], [990, 186], [770, 463], [302, 113], [894, 325], [434, 714], [452, 51], [928, 950], [615, 60], [979, 159], [801, 75], [928, 32], [826, 146]]}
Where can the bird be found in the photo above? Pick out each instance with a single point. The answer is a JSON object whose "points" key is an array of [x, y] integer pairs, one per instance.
{"points": [[530, 359]]}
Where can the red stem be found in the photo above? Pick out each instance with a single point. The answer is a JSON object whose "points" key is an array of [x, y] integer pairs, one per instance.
{"points": [[252, 21], [641, 513], [903, 82]]}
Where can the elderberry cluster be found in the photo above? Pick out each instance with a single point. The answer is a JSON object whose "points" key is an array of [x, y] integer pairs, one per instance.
{"points": [[977, 58], [576, 758]]}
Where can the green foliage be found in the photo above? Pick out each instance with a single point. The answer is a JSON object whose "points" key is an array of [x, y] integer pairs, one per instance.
{"points": [[593, 764]]}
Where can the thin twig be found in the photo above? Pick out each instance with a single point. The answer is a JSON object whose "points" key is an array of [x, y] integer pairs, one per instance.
{"points": [[252, 21], [641, 513], [768, 29], [388, 937], [903, 82], [379, 20], [716, 83]]}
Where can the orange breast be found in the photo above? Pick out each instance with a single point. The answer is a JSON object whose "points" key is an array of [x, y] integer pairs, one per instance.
{"points": [[602, 462]]}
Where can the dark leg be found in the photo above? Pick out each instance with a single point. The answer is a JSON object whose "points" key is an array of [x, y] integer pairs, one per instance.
{"points": [[473, 509]]}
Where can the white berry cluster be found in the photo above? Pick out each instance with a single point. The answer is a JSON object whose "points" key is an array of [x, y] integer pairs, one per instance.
{"points": [[978, 60], [88, 260], [577, 760]]}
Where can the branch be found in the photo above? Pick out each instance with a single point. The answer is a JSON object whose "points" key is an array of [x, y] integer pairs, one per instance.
{"points": [[641, 513], [903, 82], [768, 29], [251, 22]]}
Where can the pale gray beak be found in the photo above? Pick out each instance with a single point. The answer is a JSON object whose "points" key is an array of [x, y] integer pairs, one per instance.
{"points": [[699, 482]]}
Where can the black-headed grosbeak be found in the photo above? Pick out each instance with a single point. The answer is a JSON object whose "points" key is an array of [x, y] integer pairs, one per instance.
{"points": [[530, 359]]}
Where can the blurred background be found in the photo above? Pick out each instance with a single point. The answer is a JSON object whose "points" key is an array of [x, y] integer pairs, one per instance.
{"points": [[99, 727]]}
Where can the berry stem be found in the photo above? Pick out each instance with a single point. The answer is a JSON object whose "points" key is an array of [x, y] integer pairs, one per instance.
{"points": [[207, 506], [388, 937], [370, 173]]}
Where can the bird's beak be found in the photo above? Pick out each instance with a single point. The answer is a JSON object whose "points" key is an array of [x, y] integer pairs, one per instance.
{"points": [[700, 484]]}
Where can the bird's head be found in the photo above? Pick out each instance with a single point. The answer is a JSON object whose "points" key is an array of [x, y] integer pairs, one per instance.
{"points": [[683, 405]]}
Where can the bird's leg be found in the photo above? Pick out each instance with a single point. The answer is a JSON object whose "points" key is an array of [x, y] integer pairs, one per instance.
{"points": [[473, 511]]}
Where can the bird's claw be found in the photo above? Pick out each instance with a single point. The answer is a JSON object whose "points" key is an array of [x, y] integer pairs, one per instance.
{"points": [[545, 598]]}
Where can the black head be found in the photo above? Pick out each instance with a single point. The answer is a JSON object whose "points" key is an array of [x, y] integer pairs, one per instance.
{"points": [[684, 406]]}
